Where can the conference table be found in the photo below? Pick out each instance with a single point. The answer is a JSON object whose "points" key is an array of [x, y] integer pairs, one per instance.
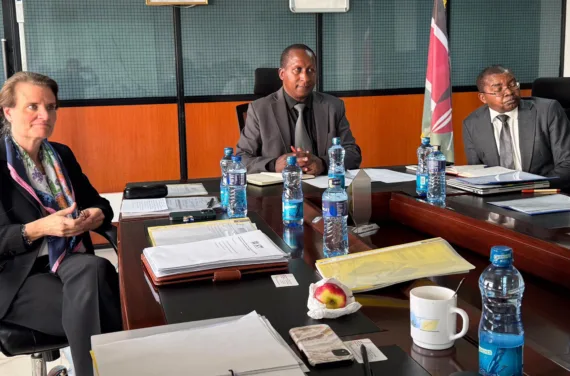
{"points": [[541, 251]]}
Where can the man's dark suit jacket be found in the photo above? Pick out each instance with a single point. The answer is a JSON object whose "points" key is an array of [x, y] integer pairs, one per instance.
{"points": [[18, 207], [267, 135], [544, 139]]}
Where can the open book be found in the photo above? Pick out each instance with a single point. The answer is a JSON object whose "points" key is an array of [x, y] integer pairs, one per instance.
{"points": [[270, 178]]}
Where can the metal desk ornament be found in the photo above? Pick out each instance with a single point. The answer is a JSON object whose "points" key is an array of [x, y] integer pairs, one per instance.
{"points": [[360, 205]]}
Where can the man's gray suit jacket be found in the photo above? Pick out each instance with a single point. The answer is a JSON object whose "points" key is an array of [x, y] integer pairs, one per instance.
{"points": [[267, 135], [544, 139]]}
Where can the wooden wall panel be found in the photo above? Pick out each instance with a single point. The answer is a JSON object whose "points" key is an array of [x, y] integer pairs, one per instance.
{"points": [[120, 144], [209, 128]]}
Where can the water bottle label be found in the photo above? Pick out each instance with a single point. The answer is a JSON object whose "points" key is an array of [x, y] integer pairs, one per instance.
{"points": [[421, 183], [335, 208], [435, 166], [236, 179], [224, 197], [338, 176], [292, 211], [496, 361]]}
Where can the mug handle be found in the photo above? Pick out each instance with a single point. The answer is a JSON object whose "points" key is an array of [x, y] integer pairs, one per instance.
{"points": [[465, 318]]}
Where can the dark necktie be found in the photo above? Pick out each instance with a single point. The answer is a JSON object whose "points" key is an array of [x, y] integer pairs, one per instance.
{"points": [[506, 143], [302, 139]]}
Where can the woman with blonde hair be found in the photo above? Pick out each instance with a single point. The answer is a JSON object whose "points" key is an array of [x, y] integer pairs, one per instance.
{"points": [[50, 280]]}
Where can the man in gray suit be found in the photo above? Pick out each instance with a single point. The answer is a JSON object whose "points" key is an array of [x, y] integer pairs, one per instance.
{"points": [[296, 121], [531, 134]]}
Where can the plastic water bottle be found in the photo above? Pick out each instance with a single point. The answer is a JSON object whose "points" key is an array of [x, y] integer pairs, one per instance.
{"points": [[422, 172], [336, 161], [237, 189], [335, 215], [292, 194], [436, 176], [224, 165], [501, 333]]}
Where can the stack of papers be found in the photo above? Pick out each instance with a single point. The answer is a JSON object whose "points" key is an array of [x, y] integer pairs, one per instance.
{"points": [[537, 205], [247, 346], [466, 170], [250, 248], [194, 232], [375, 174], [163, 206], [270, 178], [371, 270], [183, 190], [502, 182]]}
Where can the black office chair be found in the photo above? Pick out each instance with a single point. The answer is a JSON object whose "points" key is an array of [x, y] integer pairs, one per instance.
{"points": [[17, 340], [553, 88], [267, 81], [241, 110]]}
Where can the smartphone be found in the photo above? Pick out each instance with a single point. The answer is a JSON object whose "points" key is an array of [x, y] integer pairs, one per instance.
{"points": [[320, 345], [193, 216]]}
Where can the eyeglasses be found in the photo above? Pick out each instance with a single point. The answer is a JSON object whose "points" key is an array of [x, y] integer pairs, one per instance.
{"points": [[501, 91]]}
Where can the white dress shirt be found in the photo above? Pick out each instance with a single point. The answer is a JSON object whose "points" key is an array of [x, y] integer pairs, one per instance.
{"points": [[514, 130]]}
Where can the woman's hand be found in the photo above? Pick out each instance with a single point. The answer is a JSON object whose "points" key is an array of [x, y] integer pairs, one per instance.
{"points": [[58, 224], [94, 218]]}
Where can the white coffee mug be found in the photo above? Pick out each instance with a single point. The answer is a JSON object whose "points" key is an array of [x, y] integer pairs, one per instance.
{"points": [[433, 311]]}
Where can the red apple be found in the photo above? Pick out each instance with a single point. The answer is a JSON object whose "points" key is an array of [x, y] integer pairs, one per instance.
{"points": [[331, 295]]}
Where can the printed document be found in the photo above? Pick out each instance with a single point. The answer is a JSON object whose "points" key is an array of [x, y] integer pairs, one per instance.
{"points": [[164, 206], [537, 205], [250, 248], [194, 232], [180, 190], [246, 346]]}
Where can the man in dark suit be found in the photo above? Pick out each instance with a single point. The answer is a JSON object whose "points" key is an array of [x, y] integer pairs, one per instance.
{"points": [[531, 134], [296, 121]]}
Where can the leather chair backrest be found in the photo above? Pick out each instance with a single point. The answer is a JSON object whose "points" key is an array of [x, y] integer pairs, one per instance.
{"points": [[267, 81], [553, 88]]}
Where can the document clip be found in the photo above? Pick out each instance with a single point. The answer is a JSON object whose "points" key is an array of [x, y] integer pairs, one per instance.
{"points": [[227, 275], [232, 373]]}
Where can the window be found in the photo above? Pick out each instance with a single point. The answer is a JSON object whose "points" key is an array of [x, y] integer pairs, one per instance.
{"points": [[226, 41], [523, 35], [376, 45], [103, 48]]}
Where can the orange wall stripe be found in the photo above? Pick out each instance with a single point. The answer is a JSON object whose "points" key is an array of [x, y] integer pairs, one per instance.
{"points": [[120, 144]]}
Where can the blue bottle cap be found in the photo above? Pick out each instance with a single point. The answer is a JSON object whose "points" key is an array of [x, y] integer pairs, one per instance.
{"points": [[291, 160], [334, 182], [236, 158], [501, 256], [425, 140], [336, 141], [228, 151]]}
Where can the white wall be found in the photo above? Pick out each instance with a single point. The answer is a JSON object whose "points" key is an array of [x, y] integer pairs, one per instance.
{"points": [[567, 43]]}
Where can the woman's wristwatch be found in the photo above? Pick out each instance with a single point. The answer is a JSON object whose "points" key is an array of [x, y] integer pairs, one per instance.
{"points": [[24, 236]]}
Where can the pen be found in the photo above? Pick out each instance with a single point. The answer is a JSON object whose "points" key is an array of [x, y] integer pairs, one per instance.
{"points": [[211, 203], [365, 363], [541, 191]]}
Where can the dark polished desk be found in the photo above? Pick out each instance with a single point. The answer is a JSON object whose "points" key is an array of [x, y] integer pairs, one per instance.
{"points": [[472, 226]]}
